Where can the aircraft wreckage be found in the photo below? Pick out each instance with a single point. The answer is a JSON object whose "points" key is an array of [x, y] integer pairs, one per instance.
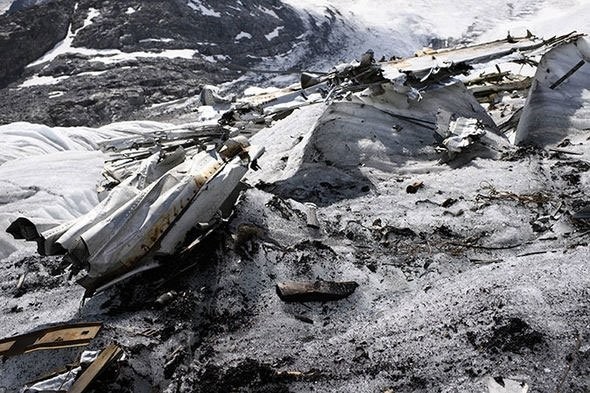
{"points": [[164, 190]]}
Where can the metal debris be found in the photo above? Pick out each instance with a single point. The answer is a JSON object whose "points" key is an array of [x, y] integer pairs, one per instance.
{"points": [[148, 214], [107, 356], [505, 385], [62, 380], [414, 187], [315, 291], [558, 104], [62, 336], [432, 65], [162, 185], [462, 133], [312, 218]]}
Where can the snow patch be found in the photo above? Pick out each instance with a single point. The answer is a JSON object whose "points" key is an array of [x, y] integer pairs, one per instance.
{"points": [[130, 11], [145, 40], [37, 80], [5, 5], [207, 113], [268, 12], [55, 94], [255, 90], [92, 13], [117, 57], [60, 48], [275, 33], [242, 35], [198, 6]]}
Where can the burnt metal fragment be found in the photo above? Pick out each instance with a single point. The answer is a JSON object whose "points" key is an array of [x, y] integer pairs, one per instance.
{"points": [[315, 291], [63, 336], [414, 187], [107, 356]]}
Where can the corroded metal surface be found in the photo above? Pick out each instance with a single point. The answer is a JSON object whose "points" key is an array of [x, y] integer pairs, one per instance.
{"points": [[63, 336]]}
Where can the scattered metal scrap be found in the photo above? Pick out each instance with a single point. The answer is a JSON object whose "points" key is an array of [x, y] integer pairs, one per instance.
{"points": [[107, 356], [315, 291], [166, 183], [78, 377], [493, 193], [149, 213], [62, 336], [430, 64], [458, 133], [63, 379], [414, 186], [558, 105]]}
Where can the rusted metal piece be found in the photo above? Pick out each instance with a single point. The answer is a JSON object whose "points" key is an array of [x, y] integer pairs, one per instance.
{"points": [[107, 356], [151, 239], [315, 291], [161, 226], [63, 336]]}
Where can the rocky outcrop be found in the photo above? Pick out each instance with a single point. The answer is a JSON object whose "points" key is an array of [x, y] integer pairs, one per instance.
{"points": [[243, 31], [19, 5], [27, 35], [220, 40], [116, 93]]}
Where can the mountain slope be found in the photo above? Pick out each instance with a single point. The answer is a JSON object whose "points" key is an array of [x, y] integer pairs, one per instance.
{"points": [[120, 57], [93, 62]]}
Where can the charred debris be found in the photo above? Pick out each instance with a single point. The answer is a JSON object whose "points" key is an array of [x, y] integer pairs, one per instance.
{"points": [[164, 192]]}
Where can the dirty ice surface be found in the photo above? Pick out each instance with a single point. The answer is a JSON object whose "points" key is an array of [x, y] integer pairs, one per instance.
{"points": [[458, 285]]}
